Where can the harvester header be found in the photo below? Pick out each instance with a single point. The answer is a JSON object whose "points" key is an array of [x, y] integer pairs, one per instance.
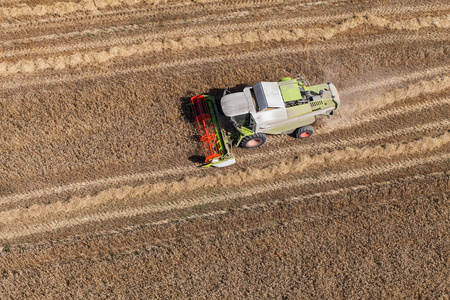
{"points": [[215, 144]]}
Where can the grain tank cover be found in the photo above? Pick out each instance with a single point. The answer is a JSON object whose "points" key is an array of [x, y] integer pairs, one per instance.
{"points": [[268, 95]]}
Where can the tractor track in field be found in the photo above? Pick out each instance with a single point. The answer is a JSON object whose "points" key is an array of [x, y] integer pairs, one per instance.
{"points": [[298, 165], [443, 103], [36, 80], [190, 42], [170, 255], [330, 193], [440, 126], [42, 227], [163, 13], [415, 76], [196, 20], [125, 39], [159, 13]]}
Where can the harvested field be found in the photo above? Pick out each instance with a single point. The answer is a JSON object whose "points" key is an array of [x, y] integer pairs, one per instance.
{"points": [[100, 191]]}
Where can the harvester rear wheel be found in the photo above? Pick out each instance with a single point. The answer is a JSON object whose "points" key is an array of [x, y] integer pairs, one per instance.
{"points": [[304, 132], [253, 141]]}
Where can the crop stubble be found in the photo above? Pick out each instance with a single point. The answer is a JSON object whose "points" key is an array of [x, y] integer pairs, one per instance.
{"points": [[100, 192]]}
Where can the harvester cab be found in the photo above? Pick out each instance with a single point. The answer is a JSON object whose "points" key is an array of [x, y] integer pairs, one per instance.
{"points": [[283, 107]]}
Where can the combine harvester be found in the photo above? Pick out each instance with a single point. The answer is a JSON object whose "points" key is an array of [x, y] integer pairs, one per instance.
{"points": [[284, 107]]}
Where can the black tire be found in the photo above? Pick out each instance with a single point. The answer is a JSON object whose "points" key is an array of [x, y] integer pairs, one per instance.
{"points": [[304, 132], [253, 141]]}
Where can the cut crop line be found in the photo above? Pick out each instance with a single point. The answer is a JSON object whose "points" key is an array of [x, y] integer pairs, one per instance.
{"points": [[115, 14], [366, 118], [175, 189], [252, 207], [287, 185], [363, 111], [211, 8], [95, 183], [12, 83], [62, 8], [294, 149], [395, 80], [158, 10], [189, 203], [369, 209], [183, 32], [210, 41], [176, 32]]}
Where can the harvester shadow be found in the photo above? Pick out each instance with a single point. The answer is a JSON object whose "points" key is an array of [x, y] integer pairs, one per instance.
{"points": [[197, 159], [188, 116]]}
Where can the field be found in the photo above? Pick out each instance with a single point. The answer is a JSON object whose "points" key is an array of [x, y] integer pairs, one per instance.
{"points": [[100, 192]]}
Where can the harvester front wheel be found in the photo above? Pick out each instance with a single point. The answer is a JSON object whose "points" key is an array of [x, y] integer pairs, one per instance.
{"points": [[304, 132], [253, 141]]}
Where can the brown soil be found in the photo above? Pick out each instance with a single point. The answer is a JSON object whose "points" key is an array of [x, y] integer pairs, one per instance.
{"points": [[100, 191]]}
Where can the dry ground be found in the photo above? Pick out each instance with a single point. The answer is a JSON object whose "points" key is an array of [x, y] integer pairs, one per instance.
{"points": [[100, 191]]}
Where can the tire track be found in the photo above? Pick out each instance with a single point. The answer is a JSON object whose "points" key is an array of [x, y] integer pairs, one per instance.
{"points": [[395, 80], [118, 14], [188, 203], [386, 113], [202, 20], [173, 34], [254, 191], [207, 28], [96, 183], [290, 150], [12, 83], [206, 41], [175, 189], [63, 8], [244, 208], [210, 8]]}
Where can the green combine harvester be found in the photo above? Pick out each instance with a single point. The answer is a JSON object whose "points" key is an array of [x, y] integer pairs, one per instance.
{"points": [[284, 107]]}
